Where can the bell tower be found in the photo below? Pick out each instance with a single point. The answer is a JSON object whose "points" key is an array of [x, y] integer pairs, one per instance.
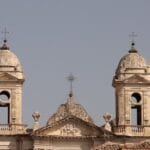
{"points": [[11, 82], [132, 91]]}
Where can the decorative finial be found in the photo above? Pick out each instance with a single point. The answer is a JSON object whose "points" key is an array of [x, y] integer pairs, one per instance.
{"points": [[36, 117], [132, 36], [107, 118], [5, 32], [71, 78]]}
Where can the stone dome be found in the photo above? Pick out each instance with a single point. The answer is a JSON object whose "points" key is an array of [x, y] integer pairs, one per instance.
{"points": [[133, 60], [8, 60], [67, 109]]}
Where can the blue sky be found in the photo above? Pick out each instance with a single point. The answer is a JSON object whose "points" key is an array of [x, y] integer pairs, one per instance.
{"points": [[86, 37]]}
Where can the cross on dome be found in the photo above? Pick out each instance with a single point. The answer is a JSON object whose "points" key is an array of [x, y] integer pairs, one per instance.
{"points": [[5, 32], [71, 79], [132, 36]]}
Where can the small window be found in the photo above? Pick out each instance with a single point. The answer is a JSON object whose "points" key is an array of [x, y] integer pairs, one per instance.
{"points": [[136, 112], [4, 95], [136, 97]]}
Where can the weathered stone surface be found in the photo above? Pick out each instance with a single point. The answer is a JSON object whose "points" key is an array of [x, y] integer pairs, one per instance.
{"points": [[70, 108]]}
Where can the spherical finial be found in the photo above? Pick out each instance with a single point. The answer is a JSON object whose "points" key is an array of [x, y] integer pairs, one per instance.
{"points": [[70, 94], [133, 50], [5, 41], [4, 46], [132, 44]]}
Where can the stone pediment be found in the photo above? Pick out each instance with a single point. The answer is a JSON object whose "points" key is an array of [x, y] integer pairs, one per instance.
{"points": [[7, 77], [71, 126], [136, 79]]}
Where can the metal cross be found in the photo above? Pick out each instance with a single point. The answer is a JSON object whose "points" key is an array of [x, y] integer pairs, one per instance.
{"points": [[133, 35], [71, 78], [5, 32]]}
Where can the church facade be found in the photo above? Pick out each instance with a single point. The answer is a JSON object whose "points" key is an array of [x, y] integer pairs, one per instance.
{"points": [[71, 127]]}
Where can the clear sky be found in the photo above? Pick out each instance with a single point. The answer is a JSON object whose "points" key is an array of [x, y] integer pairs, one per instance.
{"points": [[86, 37]]}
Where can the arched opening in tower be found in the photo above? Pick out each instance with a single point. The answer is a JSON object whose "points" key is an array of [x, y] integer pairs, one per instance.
{"points": [[136, 109], [4, 107], [4, 114]]}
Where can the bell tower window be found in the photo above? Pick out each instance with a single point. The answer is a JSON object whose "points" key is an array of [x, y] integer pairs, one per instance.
{"points": [[136, 97], [4, 107], [136, 113], [4, 95]]}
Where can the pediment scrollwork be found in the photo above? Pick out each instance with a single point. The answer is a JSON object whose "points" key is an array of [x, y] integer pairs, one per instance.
{"points": [[70, 130]]}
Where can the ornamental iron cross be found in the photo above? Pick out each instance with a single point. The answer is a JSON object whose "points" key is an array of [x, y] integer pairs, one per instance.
{"points": [[5, 32], [71, 78], [132, 36]]}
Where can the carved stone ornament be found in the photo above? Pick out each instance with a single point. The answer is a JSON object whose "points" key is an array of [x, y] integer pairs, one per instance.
{"points": [[70, 130], [36, 116], [70, 109], [107, 117]]}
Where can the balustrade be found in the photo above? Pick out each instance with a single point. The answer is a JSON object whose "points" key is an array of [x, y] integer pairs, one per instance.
{"points": [[129, 130], [12, 129]]}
